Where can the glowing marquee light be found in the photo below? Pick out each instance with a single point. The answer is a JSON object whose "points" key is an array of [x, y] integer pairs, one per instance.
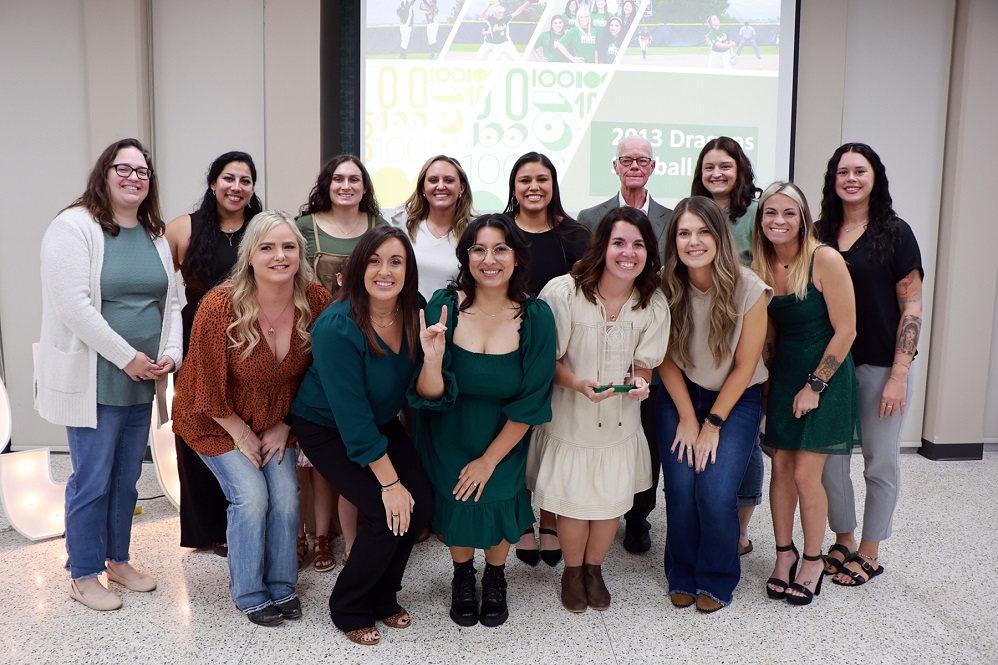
{"points": [[164, 452], [33, 502]]}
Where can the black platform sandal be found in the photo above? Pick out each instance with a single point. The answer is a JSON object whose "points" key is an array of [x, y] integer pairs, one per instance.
{"points": [[807, 596], [781, 593], [856, 577]]}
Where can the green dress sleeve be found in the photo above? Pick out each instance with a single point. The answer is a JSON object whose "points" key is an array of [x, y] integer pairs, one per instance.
{"points": [[532, 404], [441, 297]]}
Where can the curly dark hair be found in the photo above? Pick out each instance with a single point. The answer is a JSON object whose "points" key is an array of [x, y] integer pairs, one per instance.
{"points": [[745, 190], [355, 288], [201, 252], [97, 200], [517, 290], [884, 227], [589, 269], [318, 198]]}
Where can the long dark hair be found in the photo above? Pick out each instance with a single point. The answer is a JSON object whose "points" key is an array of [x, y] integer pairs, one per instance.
{"points": [[201, 252], [318, 198], [588, 269], [97, 200], [517, 289], [745, 190], [884, 227], [558, 219], [355, 289]]}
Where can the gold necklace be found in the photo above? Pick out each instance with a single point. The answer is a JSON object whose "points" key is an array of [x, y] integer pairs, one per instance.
{"points": [[505, 305], [853, 228], [389, 324], [273, 332], [613, 317]]}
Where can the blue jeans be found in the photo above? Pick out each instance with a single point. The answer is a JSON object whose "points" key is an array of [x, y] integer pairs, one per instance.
{"points": [[100, 493], [263, 522], [701, 554], [750, 490]]}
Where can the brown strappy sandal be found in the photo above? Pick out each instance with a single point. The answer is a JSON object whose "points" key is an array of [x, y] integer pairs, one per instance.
{"points": [[302, 547], [398, 620], [323, 558], [357, 636]]}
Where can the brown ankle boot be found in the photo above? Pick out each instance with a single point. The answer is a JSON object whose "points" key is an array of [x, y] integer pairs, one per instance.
{"points": [[573, 592], [596, 591]]}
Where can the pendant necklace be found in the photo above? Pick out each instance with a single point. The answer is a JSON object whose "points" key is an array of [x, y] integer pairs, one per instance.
{"points": [[853, 228], [505, 305], [271, 331], [389, 324]]}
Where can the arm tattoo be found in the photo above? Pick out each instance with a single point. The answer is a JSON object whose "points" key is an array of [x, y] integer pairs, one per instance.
{"points": [[908, 333], [827, 367], [906, 289]]}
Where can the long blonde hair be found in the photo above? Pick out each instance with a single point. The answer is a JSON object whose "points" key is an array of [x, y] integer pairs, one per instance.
{"points": [[417, 208], [245, 305], [764, 253], [724, 278]]}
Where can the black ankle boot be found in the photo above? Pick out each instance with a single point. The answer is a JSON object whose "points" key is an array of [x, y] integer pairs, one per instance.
{"points": [[494, 610], [463, 605]]}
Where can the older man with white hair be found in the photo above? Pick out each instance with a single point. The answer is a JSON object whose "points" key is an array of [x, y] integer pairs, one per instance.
{"points": [[634, 165]]}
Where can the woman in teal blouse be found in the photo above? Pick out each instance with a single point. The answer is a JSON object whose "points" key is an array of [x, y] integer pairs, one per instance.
{"points": [[364, 352], [487, 376]]}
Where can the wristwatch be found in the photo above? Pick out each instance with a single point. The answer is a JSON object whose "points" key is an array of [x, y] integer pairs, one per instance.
{"points": [[816, 384], [715, 420]]}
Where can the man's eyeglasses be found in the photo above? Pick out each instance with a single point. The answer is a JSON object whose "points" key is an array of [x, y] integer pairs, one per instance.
{"points": [[499, 252], [626, 162], [124, 171]]}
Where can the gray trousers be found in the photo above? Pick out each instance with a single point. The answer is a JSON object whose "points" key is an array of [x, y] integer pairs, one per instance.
{"points": [[882, 468]]}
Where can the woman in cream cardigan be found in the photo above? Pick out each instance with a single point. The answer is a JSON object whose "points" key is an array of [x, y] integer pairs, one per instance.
{"points": [[110, 333]]}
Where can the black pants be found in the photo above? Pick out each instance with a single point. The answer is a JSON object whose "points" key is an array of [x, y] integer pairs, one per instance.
{"points": [[202, 502], [644, 502], [367, 586]]}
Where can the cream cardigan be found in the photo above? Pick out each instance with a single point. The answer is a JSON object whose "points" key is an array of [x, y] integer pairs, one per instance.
{"points": [[73, 330]]}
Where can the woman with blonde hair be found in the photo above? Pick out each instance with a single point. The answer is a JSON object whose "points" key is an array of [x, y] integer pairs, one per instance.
{"points": [[250, 346], [435, 216], [813, 407], [712, 407]]}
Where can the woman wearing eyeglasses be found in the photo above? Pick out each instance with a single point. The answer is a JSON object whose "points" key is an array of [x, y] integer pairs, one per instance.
{"points": [[111, 332], [486, 378], [204, 245], [558, 241]]}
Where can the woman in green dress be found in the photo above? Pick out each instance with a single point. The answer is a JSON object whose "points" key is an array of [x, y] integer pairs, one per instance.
{"points": [[487, 377], [813, 408]]}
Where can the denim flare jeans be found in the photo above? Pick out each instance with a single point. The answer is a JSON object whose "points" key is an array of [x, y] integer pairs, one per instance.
{"points": [[701, 555], [263, 522]]}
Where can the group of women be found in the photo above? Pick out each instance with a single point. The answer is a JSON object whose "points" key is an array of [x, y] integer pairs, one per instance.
{"points": [[586, 32], [515, 347]]}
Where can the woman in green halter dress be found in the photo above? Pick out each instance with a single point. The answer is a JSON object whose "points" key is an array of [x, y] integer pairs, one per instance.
{"points": [[813, 405]]}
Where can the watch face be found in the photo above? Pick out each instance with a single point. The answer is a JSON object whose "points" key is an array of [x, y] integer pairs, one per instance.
{"points": [[715, 420]]}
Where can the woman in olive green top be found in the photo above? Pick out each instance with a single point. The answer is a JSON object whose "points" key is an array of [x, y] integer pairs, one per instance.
{"points": [[341, 208]]}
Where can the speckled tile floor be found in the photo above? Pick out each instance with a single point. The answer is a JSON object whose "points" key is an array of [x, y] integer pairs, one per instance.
{"points": [[936, 603]]}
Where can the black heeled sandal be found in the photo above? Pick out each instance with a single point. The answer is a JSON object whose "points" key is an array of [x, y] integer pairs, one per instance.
{"points": [[550, 557], [781, 593], [529, 557], [807, 596]]}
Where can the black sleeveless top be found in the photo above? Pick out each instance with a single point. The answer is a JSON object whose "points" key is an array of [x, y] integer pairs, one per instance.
{"points": [[222, 261]]}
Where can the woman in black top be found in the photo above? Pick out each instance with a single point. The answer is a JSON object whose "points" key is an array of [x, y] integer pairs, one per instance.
{"points": [[556, 242], [884, 261], [204, 245]]}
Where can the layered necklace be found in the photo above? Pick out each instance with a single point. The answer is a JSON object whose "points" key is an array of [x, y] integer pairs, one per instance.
{"points": [[395, 314]]}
